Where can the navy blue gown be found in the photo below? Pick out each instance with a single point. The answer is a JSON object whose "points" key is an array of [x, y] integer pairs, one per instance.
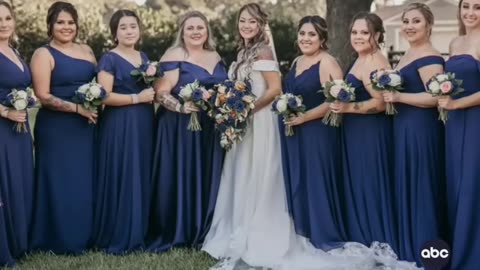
{"points": [[16, 170], [367, 142], [462, 164], [311, 166], [419, 162], [64, 165], [186, 169], [124, 164]]}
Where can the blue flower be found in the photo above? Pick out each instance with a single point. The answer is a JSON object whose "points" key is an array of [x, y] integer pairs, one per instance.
{"points": [[31, 102], [343, 96], [230, 121], [384, 80], [222, 127], [229, 84], [292, 103], [274, 105], [231, 101], [197, 95], [239, 106]]}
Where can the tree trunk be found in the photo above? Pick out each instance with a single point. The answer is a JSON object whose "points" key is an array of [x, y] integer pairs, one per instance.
{"points": [[339, 16]]}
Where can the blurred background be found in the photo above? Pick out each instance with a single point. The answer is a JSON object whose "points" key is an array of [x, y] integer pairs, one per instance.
{"points": [[159, 23]]}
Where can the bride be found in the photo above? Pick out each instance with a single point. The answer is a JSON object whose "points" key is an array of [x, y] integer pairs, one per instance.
{"points": [[251, 225]]}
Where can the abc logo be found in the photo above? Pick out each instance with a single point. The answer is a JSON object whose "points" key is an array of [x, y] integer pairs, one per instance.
{"points": [[435, 254]]}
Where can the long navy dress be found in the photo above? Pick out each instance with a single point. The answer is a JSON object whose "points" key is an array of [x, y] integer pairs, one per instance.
{"points": [[367, 141], [124, 164], [64, 165], [186, 169], [419, 162], [462, 165], [311, 166], [16, 170]]}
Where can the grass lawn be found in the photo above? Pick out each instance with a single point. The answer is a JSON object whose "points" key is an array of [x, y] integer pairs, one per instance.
{"points": [[177, 259]]}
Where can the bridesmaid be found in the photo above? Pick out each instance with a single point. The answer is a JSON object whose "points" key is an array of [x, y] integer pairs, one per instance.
{"points": [[462, 144], [187, 165], [64, 138], [418, 139], [310, 157], [125, 143], [367, 142], [16, 162]]}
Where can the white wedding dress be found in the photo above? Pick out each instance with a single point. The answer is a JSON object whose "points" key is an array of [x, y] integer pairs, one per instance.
{"points": [[251, 227]]}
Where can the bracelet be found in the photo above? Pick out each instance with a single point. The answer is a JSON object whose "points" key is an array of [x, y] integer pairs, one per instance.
{"points": [[76, 108], [4, 113], [178, 107], [134, 98]]}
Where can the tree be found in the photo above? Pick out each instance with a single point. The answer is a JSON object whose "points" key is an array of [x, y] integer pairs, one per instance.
{"points": [[339, 15]]}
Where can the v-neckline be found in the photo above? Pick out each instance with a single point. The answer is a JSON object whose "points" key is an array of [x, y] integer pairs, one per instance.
{"points": [[305, 70], [126, 60], [22, 67], [206, 70]]}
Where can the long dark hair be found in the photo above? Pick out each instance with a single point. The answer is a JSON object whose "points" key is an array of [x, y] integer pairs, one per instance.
{"points": [[374, 24], [115, 21]]}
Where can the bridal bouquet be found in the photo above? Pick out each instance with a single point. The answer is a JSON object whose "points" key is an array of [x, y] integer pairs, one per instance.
{"points": [[387, 80], [286, 105], [199, 96], [336, 90], [233, 103], [444, 84], [90, 95], [147, 72], [21, 99]]}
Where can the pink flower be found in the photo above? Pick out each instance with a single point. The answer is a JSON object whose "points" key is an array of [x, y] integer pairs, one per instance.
{"points": [[151, 70], [206, 95], [446, 87]]}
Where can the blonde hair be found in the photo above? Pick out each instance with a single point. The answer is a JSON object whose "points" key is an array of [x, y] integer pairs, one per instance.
{"points": [[11, 39], [426, 12], [251, 49], [461, 27], [180, 43]]}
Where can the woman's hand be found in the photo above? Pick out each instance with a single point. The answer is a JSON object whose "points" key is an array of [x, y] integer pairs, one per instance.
{"points": [[17, 116], [295, 120]]}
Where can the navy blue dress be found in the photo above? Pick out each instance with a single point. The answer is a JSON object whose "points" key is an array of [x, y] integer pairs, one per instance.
{"points": [[124, 164], [367, 141], [419, 162], [16, 170], [311, 166], [186, 169], [463, 171], [64, 165]]}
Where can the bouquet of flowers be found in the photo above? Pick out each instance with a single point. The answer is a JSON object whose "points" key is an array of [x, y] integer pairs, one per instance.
{"points": [[444, 85], [336, 90], [199, 96], [233, 102], [387, 80], [21, 100], [147, 72], [286, 105], [90, 95]]}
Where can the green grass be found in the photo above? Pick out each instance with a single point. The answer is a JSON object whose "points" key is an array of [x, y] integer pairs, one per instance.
{"points": [[177, 259]]}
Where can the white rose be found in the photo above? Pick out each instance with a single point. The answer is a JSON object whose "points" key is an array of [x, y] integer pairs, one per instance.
{"points": [[395, 80], [95, 91], [186, 93], [20, 104], [299, 101], [434, 87], [281, 105], [22, 94], [83, 89], [89, 97], [442, 77]]}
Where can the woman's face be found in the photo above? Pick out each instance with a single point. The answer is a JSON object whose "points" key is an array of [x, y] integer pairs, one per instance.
{"points": [[128, 31], [415, 27], [470, 13], [64, 28], [248, 26], [195, 32], [7, 23], [361, 38], [308, 39]]}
